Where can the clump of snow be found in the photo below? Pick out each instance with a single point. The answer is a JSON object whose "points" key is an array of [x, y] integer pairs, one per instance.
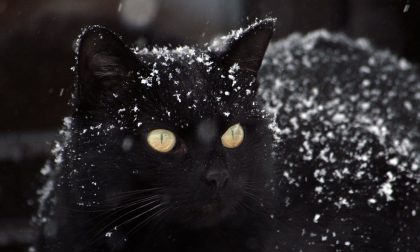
{"points": [[232, 73], [386, 188]]}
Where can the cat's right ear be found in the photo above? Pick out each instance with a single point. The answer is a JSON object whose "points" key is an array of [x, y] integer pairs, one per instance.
{"points": [[247, 47], [103, 62]]}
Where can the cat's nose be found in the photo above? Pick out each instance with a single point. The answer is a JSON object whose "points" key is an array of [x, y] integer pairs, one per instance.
{"points": [[217, 178]]}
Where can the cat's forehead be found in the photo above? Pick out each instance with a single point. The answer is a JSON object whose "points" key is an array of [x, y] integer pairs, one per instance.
{"points": [[185, 86], [186, 77], [178, 60]]}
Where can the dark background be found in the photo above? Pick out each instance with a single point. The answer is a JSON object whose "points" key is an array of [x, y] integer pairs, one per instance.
{"points": [[36, 54]]}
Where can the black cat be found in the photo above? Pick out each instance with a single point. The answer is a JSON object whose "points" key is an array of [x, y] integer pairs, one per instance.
{"points": [[187, 149]]}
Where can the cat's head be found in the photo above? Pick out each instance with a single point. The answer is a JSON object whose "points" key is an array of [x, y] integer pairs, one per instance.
{"points": [[181, 126]]}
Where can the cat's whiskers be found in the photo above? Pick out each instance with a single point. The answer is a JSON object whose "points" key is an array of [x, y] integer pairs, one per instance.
{"points": [[111, 207], [262, 204], [124, 196], [141, 214], [113, 212], [253, 191], [154, 215], [148, 219], [98, 235], [116, 211], [249, 208], [128, 213], [130, 192]]}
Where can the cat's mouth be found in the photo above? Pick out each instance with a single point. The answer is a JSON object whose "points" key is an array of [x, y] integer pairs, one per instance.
{"points": [[212, 208], [212, 212]]}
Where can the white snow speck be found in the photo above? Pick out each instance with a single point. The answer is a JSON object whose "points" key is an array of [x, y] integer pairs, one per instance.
{"points": [[386, 188], [178, 97], [316, 218]]}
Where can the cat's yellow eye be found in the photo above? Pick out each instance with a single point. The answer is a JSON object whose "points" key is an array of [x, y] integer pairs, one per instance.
{"points": [[161, 140], [233, 136]]}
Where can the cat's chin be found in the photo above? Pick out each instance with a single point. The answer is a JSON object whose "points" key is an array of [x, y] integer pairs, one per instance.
{"points": [[210, 214]]}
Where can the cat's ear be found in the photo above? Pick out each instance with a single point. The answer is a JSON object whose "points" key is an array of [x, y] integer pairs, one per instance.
{"points": [[103, 62], [247, 48]]}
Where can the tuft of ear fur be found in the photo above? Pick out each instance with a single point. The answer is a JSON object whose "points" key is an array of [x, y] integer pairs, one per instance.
{"points": [[101, 58], [247, 47]]}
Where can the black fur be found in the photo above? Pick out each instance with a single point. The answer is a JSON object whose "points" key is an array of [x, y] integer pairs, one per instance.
{"points": [[309, 176]]}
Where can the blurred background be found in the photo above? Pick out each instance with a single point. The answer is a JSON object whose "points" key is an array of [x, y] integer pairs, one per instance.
{"points": [[36, 54]]}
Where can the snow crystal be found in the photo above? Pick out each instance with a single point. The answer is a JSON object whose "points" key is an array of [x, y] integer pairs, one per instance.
{"points": [[316, 218], [294, 122], [365, 69], [339, 118], [408, 105], [393, 161], [46, 169], [147, 82], [319, 174], [178, 97], [61, 92], [386, 188], [342, 202], [372, 201], [406, 7], [232, 72]]}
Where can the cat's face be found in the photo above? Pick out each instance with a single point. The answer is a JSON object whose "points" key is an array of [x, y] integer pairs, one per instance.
{"points": [[183, 126]]}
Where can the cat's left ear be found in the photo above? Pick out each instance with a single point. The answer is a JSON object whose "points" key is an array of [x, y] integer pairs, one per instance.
{"points": [[103, 62], [247, 48]]}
